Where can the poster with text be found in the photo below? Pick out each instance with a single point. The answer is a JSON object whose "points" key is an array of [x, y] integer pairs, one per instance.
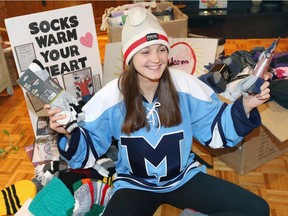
{"points": [[192, 54], [65, 42]]}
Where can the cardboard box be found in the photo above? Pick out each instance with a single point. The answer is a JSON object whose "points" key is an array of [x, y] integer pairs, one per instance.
{"points": [[262, 144], [176, 28], [13, 73]]}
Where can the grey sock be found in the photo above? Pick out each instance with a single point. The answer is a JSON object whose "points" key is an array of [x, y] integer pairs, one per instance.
{"points": [[38, 184]]}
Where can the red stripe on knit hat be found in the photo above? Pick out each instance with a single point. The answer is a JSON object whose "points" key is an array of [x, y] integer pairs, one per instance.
{"points": [[90, 184], [104, 191], [141, 41]]}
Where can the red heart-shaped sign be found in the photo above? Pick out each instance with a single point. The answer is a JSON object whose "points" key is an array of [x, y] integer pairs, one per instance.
{"points": [[87, 40], [183, 57]]}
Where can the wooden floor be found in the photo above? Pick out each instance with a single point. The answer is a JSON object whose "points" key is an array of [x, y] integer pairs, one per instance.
{"points": [[270, 181]]}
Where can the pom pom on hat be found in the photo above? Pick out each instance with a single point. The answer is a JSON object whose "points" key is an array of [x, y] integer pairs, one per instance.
{"points": [[140, 30]]}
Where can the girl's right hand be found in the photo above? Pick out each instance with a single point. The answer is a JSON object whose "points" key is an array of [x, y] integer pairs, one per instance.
{"points": [[54, 116]]}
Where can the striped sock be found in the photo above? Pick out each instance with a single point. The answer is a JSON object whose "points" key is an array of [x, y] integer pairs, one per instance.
{"points": [[13, 197], [89, 194]]}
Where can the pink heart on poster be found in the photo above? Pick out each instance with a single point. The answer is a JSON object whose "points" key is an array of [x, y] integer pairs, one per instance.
{"points": [[183, 57], [87, 40]]}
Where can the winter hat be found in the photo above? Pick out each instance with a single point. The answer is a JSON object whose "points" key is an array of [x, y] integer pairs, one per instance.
{"points": [[53, 200], [87, 193], [141, 29], [13, 197]]}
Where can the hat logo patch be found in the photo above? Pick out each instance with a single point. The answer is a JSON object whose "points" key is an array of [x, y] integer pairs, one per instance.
{"points": [[152, 36]]}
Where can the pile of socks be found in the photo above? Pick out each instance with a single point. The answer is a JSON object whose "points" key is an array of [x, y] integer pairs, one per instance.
{"points": [[87, 197], [60, 190], [104, 169], [56, 199], [223, 71], [232, 76]]}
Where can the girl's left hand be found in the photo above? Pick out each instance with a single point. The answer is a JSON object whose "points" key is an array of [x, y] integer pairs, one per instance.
{"points": [[252, 101]]}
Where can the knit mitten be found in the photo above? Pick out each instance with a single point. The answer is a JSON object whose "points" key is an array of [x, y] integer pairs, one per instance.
{"points": [[65, 101]]}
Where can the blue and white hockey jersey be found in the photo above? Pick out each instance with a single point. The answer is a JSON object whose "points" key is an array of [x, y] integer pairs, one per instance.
{"points": [[158, 159]]}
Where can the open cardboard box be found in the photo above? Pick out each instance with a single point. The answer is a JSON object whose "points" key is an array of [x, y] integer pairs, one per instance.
{"points": [[176, 28], [262, 145]]}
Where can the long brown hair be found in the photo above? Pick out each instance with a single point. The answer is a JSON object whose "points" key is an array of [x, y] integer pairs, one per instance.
{"points": [[135, 117]]}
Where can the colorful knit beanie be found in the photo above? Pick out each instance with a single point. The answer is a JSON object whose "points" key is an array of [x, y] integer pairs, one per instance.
{"points": [[54, 199], [13, 197], [90, 194], [141, 29]]}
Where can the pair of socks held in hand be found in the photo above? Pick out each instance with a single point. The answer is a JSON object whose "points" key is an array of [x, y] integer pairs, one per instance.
{"points": [[65, 101], [222, 73]]}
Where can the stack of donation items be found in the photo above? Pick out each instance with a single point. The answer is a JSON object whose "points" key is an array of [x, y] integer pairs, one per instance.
{"points": [[57, 189], [233, 75], [172, 20]]}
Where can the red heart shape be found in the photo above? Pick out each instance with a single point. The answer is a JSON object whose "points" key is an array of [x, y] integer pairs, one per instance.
{"points": [[182, 56], [87, 40]]}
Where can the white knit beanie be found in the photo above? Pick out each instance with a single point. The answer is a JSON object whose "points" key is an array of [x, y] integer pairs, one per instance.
{"points": [[141, 29]]}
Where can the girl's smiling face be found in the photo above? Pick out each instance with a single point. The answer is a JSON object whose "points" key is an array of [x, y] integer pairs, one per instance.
{"points": [[150, 62]]}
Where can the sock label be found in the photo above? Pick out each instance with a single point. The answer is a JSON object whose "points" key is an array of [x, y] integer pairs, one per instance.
{"points": [[45, 90]]}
